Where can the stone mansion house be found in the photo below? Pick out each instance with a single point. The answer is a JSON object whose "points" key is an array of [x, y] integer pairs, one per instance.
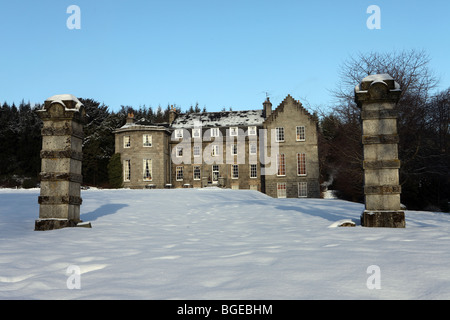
{"points": [[272, 151]]}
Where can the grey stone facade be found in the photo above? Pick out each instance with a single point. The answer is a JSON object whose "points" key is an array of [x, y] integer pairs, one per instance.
{"points": [[288, 117], [224, 149], [135, 151]]}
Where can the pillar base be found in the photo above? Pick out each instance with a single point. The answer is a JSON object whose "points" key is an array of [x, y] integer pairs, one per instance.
{"points": [[383, 219], [52, 224]]}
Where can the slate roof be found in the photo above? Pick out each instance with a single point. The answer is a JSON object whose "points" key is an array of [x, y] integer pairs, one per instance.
{"points": [[219, 119]]}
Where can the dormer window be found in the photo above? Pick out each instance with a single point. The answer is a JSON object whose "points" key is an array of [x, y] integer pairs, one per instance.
{"points": [[215, 132], [178, 133], [196, 133], [252, 131]]}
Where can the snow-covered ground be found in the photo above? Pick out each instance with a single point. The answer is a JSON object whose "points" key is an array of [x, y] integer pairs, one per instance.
{"points": [[218, 244]]}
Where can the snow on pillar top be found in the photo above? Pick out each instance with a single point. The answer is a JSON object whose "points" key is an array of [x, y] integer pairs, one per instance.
{"points": [[377, 88], [68, 104], [67, 100]]}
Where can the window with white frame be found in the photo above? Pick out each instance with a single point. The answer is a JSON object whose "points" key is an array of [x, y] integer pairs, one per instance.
{"points": [[253, 171], [197, 151], [147, 140], [215, 150], [126, 170], [281, 165], [126, 141], [234, 171], [301, 164], [281, 190], [178, 133], [300, 133], [179, 151], [233, 131], [197, 173], [179, 173], [147, 169], [302, 189], [279, 134], [252, 131], [215, 132], [253, 148], [215, 173], [234, 149], [196, 133]]}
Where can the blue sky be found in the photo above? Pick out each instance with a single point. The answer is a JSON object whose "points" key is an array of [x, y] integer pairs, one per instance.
{"points": [[217, 53]]}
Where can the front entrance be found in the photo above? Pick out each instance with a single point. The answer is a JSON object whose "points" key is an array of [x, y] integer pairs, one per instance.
{"points": [[215, 173]]}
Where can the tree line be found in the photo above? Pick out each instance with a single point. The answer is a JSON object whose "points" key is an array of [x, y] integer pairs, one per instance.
{"points": [[423, 127], [21, 140]]}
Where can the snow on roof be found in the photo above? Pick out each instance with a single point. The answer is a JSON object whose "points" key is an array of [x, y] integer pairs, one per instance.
{"points": [[219, 119], [143, 124], [204, 119]]}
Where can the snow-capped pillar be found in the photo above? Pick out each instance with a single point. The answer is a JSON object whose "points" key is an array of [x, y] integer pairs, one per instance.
{"points": [[61, 157], [377, 96]]}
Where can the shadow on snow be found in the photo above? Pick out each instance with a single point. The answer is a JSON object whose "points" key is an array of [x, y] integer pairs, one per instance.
{"points": [[103, 210]]}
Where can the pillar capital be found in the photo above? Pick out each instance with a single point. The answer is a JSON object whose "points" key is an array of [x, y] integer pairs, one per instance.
{"points": [[377, 88], [62, 106]]}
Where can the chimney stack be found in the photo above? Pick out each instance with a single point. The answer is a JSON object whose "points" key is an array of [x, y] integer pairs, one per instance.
{"points": [[130, 117], [172, 114], [267, 107]]}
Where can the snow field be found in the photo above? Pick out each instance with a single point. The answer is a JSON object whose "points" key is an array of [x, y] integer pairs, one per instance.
{"points": [[218, 244]]}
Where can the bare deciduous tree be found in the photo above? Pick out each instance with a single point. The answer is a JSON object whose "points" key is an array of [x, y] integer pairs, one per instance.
{"points": [[422, 126], [410, 69]]}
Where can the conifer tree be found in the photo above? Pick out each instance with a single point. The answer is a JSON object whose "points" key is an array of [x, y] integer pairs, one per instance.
{"points": [[115, 171]]}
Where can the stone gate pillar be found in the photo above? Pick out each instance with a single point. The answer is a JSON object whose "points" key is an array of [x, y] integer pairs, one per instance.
{"points": [[377, 96], [61, 156]]}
